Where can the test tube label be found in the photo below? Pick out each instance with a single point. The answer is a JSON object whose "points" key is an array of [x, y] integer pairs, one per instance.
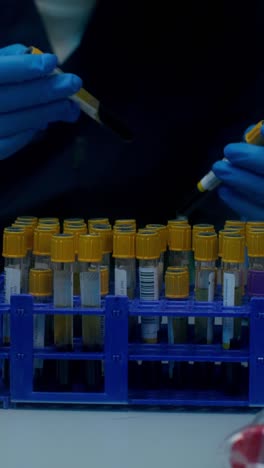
{"points": [[120, 282], [12, 286], [90, 288], [149, 285], [229, 289], [12, 282], [229, 284]]}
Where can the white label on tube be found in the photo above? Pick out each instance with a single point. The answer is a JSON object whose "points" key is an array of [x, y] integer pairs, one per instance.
{"points": [[63, 289], [12, 286], [148, 283], [209, 181], [120, 282], [90, 288], [12, 282], [229, 289], [39, 333], [229, 284]]}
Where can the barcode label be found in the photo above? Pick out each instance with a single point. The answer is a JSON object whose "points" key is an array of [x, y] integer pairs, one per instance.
{"points": [[229, 281], [148, 283], [120, 282]]}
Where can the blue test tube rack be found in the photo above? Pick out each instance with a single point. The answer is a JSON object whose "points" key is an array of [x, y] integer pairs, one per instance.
{"points": [[118, 353]]}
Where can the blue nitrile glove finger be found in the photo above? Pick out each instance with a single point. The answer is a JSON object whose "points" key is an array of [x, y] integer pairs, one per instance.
{"points": [[30, 98], [27, 94], [17, 68], [36, 118], [246, 156], [14, 49], [241, 204], [244, 182]]}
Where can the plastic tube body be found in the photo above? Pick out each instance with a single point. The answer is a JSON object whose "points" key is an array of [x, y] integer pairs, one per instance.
{"points": [[15, 283], [149, 291], [205, 280], [232, 290]]}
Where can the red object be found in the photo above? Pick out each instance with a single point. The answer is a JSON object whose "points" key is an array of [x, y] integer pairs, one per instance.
{"points": [[248, 447]]}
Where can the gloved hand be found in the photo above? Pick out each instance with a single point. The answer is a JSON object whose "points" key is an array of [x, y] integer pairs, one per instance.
{"points": [[31, 98], [242, 177]]}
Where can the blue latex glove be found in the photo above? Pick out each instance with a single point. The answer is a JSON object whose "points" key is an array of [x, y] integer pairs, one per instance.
{"points": [[31, 98], [242, 179]]}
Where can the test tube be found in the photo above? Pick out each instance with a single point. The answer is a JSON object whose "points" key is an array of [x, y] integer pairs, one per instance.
{"points": [[232, 283], [148, 253], [40, 287], [29, 234], [93, 221], [221, 234], [14, 253], [205, 254], [76, 230], [163, 232], [177, 287], [42, 246], [63, 258], [179, 241], [255, 244], [89, 257], [124, 253], [106, 233]]}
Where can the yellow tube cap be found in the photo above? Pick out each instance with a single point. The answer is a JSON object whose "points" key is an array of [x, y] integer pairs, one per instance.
{"points": [[197, 228], [76, 231], [124, 244], [51, 224], [90, 248], [180, 238], [176, 222], [163, 231], [206, 248], [147, 245], [233, 248], [104, 278], [221, 235], [177, 283], [126, 222], [28, 219], [42, 240], [62, 248], [93, 221], [40, 282], [106, 233], [29, 233], [14, 243], [255, 243], [48, 219], [73, 222], [254, 136]]}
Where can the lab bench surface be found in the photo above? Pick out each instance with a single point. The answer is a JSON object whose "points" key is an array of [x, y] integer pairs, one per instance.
{"points": [[116, 438]]}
